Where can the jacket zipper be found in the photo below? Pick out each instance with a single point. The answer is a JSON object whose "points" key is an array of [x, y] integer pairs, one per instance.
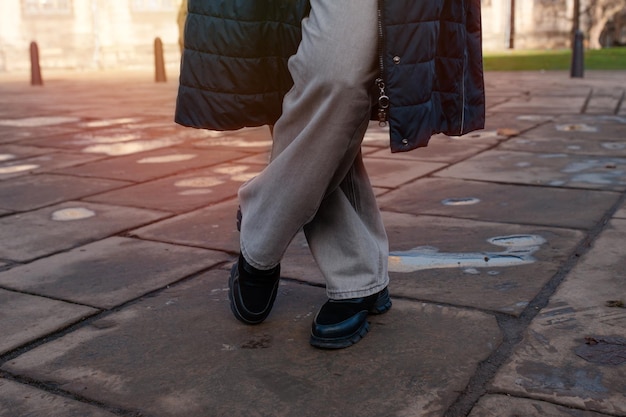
{"points": [[383, 100]]}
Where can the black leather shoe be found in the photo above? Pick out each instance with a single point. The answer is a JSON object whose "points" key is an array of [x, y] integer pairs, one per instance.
{"points": [[252, 292], [342, 323]]}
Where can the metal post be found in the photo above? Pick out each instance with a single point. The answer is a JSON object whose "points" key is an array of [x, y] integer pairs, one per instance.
{"points": [[159, 61], [578, 58], [512, 26], [576, 21], [35, 68]]}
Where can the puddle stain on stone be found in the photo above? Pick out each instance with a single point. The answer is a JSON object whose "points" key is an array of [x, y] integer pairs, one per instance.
{"points": [[166, 159], [89, 139], [597, 171], [577, 127], [14, 169], [38, 121], [130, 147], [518, 251], [613, 146], [462, 201], [199, 182], [535, 118], [590, 164], [110, 122], [564, 381], [603, 350], [553, 156], [234, 142], [197, 191], [72, 214], [203, 185]]}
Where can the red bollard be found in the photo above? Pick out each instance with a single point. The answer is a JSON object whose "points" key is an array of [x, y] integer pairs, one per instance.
{"points": [[35, 68], [159, 62]]}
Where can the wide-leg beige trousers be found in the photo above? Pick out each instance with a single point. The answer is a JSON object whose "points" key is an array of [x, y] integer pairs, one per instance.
{"points": [[316, 180]]}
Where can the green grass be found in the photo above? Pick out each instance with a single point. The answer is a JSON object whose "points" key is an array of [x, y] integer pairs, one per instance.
{"points": [[549, 60]]}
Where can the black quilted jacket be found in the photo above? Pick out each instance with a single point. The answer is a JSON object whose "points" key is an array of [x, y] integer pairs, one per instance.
{"points": [[234, 67]]}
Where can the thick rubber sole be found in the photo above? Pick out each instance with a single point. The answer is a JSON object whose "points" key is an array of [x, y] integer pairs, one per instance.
{"points": [[340, 343], [381, 306]]}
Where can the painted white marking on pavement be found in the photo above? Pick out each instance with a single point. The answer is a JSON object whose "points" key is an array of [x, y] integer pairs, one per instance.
{"points": [[519, 251]]}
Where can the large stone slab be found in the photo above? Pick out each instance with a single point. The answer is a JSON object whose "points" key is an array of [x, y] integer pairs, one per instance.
{"points": [[443, 149], [120, 136], [512, 123], [24, 400], [184, 192], [493, 266], [389, 173], [35, 191], [26, 318], [42, 163], [257, 139], [15, 135], [156, 164], [583, 135], [508, 406], [579, 209], [605, 101], [554, 170], [31, 235], [183, 352], [109, 272], [555, 103], [213, 227], [574, 352], [15, 152]]}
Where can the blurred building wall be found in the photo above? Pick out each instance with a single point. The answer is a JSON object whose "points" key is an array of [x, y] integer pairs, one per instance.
{"points": [[91, 34], [87, 34]]}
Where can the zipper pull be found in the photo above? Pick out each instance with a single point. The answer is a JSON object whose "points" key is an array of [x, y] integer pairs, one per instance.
{"points": [[383, 103]]}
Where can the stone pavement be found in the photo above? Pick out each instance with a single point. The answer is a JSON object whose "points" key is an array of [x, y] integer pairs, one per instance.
{"points": [[117, 232]]}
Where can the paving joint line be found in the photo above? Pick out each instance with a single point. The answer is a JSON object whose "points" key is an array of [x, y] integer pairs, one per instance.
{"points": [[514, 329], [585, 106], [52, 388], [551, 401], [102, 313], [620, 102]]}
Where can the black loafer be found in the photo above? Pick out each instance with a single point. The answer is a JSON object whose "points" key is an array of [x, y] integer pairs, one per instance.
{"points": [[252, 292], [342, 323]]}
